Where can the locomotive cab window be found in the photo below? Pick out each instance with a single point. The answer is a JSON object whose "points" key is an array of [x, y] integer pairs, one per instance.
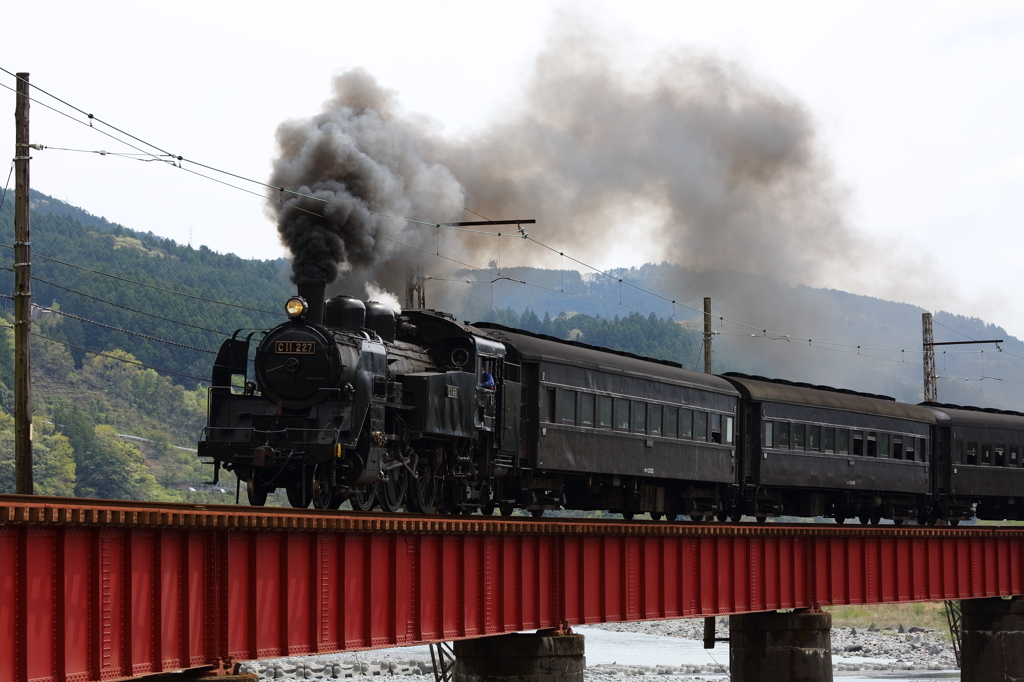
{"points": [[768, 436], [639, 417], [972, 453], [843, 446], [986, 454], [858, 443], [654, 417], [700, 426], [671, 422], [604, 411], [829, 440], [1000, 455], [716, 428], [686, 424], [587, 409], [567, 410], [799, 436], [783, 435], [621, 414], [814, 438]]}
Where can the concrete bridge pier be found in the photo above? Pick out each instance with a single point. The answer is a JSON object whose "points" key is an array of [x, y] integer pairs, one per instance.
{"points": [[781, 647], [992, 646], [545, 656]]}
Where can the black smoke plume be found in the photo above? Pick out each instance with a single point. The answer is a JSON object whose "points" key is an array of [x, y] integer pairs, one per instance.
{"points": [[693, 156]]}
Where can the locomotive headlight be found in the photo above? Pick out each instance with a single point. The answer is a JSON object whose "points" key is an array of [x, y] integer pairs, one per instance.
{"points": [[295, 306]]}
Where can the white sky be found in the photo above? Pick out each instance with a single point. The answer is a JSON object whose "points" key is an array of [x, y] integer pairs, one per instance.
{"points": [[920, 104]]}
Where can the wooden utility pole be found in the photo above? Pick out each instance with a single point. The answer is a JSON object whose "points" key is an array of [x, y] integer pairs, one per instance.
{"points": [[22, 298], [931, 387], [707, 335]]}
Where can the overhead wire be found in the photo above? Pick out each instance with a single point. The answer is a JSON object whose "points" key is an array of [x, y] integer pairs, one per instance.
{"points": [[108, 355], [171, 158]]}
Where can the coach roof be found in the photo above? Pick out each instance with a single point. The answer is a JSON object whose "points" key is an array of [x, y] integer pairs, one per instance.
{"points": [[548, 348]]}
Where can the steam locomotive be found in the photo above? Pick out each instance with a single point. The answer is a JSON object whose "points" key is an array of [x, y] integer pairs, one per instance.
{"points": [[347, 401]]}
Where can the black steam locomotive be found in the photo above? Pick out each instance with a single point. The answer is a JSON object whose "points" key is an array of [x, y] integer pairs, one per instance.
{"points": [[346, 401]]}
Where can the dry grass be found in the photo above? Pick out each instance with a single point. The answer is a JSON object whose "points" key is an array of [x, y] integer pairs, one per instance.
{"points": [[920, 614]]}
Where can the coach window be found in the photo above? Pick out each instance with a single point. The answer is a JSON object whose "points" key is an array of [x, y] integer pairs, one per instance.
{"points": [[639, 417], [986, 454], [814, 438], [716, 428], [972, 453], [621, 414], [1014, 462], [671, 422], [728, 429], [843, 446], [700, 426], [858, 443], [783, 435], [908, 448], [587, 409], [768, 439], [1000, 456], [897, 447], [883, 445], [686, 424], [871, 449], [604, 412], [654, 417], [799, 436], [830, 440], [958, 453], [568, 407], [548, 409]]}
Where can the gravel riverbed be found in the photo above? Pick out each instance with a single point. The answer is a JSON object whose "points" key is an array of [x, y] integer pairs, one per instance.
{"points": [[873, 653]]}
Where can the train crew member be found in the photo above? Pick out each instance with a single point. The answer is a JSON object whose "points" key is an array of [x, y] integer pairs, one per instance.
{"points": [[486, 380]]}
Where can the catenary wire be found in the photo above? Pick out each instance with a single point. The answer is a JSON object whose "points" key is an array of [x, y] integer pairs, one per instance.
{"points": [[112, 357], [124, 331], [7, 184], [150, 286], [524, 235]]}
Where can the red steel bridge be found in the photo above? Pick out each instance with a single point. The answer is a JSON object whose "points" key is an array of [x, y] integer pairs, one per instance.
{"points": [[100, 590]]}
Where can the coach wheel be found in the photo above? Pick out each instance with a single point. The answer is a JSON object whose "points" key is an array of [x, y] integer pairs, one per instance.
{"points": [[628, 515], [761, 519], [922, 518], [897, 522], [865, 519], [324, 494], [697, 517], [723, 514], [300, 492], [840, 520], [876, 518], [657, 516], [487, 503], [365, 498], [506, 508], [536, 513], [393, 488], [735, 516], [256, 492], [954, 522]]}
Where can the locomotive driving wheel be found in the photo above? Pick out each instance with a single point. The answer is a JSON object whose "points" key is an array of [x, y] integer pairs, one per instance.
{"points": [[422, 489], [393, 488], [365, 497]]}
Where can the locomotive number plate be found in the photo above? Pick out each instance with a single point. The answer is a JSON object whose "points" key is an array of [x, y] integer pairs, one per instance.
{"points": [[295, 347]]}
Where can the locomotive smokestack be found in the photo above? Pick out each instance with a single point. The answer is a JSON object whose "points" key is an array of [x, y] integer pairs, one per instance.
{"points": [[314, 295]]}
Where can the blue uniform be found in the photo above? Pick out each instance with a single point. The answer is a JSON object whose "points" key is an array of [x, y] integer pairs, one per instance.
{"points": [[486, 380]]}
